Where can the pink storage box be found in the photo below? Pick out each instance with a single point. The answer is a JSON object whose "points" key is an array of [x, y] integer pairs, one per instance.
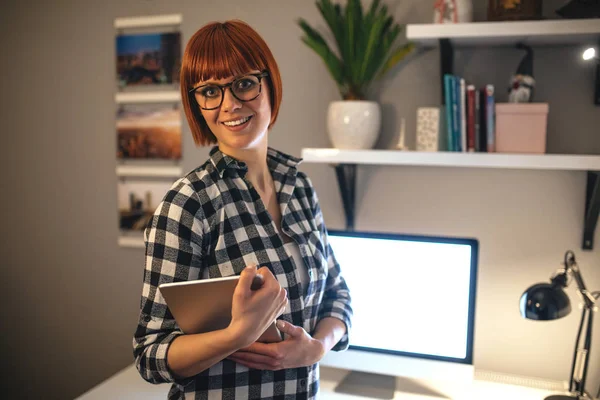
{"points": [[521, 127]]}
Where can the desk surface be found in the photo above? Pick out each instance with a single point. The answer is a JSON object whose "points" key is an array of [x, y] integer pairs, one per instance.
{"points": [[128, 385]]}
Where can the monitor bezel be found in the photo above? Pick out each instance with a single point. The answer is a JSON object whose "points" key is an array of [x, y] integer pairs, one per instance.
{"points": [[473, 243]]}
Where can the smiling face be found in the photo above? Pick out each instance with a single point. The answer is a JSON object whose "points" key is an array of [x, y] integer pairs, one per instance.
{"points": [[238, 125], [220, 53]]}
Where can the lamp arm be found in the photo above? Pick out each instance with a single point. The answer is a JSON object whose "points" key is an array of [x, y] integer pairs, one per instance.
{"points": [[581, 357], [572, 267]]}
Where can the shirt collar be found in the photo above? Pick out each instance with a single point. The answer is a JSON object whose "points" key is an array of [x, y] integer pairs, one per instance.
{"points": [[276, 160]]}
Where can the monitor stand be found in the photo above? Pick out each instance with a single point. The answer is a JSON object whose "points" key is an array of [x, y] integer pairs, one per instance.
{"points": [[377, 386]]}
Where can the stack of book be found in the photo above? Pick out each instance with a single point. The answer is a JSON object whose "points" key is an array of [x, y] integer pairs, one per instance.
{"points": [[470, 116]]}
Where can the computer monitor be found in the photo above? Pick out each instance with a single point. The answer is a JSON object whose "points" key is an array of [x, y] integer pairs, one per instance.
{"points": [[414, 304]]}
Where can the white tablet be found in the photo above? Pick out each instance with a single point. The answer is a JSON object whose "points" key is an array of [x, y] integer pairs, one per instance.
{"points": [[205, 305]]}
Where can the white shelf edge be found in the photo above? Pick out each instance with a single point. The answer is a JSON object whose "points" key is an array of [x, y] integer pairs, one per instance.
{"points": [[149, 171], [147, 97], [126, 241], [505, 32], [453, 159], [145, 21]]}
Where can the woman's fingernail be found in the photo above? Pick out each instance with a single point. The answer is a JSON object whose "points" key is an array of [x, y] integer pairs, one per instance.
{"points": [[280, 324]]}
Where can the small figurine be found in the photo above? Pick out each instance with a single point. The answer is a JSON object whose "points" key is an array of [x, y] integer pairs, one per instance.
{"points": [[400, 145], [523, 83], [452, 11]]}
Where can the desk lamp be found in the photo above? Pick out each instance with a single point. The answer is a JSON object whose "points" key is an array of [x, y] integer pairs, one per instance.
{"points": [[548, 301]]}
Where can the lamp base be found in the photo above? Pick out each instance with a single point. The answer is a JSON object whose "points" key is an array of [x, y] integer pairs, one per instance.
{"points": [[565, 397]]}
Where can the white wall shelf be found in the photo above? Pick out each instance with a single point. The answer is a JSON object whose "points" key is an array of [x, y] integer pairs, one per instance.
{"points": [[345, 162], [453, 159], [148, 21], [549, 32], [147, 97], [166, 171]]}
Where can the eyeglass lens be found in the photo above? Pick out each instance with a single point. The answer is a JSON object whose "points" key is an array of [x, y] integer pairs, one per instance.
{"points": [[245, 88]]}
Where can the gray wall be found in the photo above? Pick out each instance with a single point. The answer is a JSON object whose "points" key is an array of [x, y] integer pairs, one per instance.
{"points": [[71, 294]]}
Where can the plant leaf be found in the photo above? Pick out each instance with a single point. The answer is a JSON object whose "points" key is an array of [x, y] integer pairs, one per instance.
{"points": [[332, 63], [310, 32], [331, 16], [374, 36], [395, 57], [350, 40]]}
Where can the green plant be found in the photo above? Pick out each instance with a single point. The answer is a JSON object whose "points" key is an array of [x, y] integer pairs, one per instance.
{"points": [[365, 44]]}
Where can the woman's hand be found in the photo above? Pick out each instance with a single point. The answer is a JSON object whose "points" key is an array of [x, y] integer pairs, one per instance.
{"points": [[253, 311], [299, 349]]}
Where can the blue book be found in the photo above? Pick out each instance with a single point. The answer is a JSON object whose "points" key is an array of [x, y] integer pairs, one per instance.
{"points": [[448, 89], [456, 118], [490, 118]]}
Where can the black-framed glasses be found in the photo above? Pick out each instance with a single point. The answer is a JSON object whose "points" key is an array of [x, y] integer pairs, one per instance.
{"points": [[244, 88]]}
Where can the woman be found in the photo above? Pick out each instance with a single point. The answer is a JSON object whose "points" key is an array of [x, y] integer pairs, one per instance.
{"points": [[247, 205]]}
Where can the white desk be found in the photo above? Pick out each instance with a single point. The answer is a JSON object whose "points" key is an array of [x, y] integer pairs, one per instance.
{"points": [[128, 385]]}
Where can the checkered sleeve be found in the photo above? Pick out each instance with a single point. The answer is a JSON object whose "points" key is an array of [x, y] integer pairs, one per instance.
{"points": [[173, 253], [336, 300]]}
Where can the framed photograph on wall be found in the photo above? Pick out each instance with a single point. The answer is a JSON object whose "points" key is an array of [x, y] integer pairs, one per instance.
{"points": [[138, 198], [149, 131], [148, 59], [506, 10]]}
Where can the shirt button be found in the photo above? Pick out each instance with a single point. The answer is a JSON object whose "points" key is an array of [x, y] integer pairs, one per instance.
{"points": [[302, 382]]}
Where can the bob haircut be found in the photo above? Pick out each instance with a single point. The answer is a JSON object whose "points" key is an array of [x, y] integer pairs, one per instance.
{"points": [[220, 50]]}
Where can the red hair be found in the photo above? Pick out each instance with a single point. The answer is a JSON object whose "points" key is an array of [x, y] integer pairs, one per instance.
{"points": [[220, 50]]}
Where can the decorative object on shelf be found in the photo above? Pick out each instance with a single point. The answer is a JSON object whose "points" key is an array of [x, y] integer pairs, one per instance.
{"points": [[452, 11], [401, 145], [522, 82], [548, 301], [363, 56], [506, 10], [521, 128], [428, 128], [353, 124], [580, 9]]}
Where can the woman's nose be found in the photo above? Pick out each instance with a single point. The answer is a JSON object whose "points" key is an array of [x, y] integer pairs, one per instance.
{"points": [[230, 103]]}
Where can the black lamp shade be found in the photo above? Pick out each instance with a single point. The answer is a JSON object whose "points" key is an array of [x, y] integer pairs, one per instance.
{"points": [[544, 302]]}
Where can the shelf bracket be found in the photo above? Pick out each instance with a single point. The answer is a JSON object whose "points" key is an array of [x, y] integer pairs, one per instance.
{"points": [[346, 176], [592, 208], [597, 86], [446, 63]]}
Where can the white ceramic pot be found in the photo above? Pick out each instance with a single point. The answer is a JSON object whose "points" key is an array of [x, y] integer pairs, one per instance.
{"points": [[353, 124]]}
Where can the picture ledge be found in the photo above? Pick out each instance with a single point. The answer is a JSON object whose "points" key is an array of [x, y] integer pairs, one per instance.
{"points": [[147, 97], [131, 241], [149, 171], [146, 21]]}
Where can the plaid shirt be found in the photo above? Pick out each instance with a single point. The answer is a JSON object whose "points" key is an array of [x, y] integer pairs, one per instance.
{"points": [[212, 223]]}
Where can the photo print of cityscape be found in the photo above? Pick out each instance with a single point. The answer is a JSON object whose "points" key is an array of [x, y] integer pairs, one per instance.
{"points": [[138, 199], [148, 59], [149, 131]]}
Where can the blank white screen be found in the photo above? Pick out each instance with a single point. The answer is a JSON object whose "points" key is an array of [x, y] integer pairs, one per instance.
{"points": [[407, 296]]}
